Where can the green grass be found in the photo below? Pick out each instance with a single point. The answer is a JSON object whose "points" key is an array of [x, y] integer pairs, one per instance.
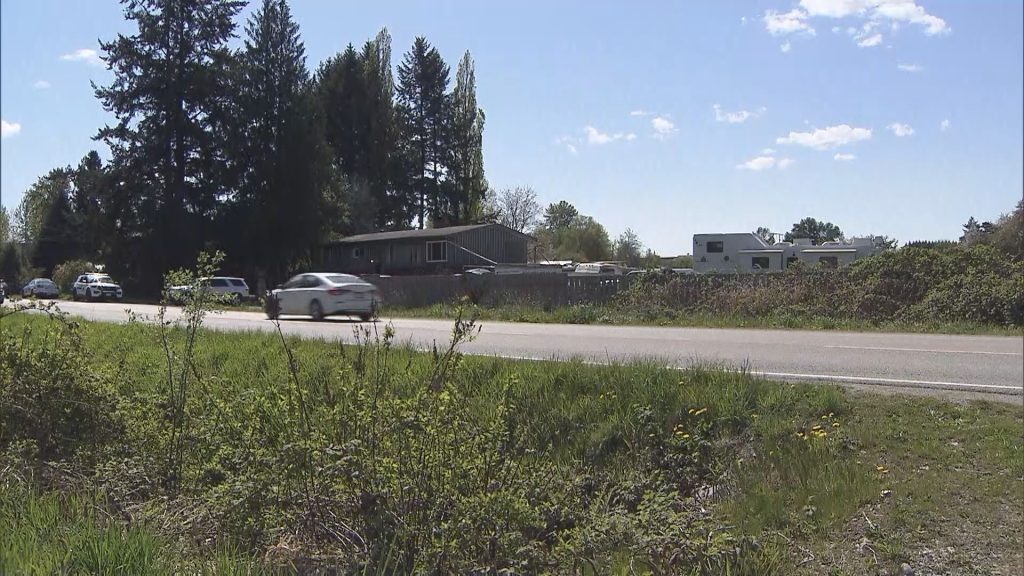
{"points": [[549, 466], [608, 315], [71, 532]]}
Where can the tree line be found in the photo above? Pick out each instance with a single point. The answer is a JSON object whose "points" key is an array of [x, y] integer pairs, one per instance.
{"points": [[248, 151]]}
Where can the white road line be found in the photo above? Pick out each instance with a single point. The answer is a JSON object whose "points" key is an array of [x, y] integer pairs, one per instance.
{"points": [[928, 350], [1015, 390], [867, 380]]}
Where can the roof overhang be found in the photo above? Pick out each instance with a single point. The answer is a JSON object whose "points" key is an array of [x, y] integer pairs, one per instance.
{"points": [[762, 251], [827, 250]]}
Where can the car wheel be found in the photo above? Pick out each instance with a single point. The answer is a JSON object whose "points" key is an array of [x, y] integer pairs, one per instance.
{"points": [[316, 310], [235, 299]]}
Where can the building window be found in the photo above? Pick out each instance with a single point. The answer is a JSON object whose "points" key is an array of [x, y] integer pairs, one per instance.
{"points": [[437, 251], [716, 246], [759, 262], [829, 261], [357, 253]]}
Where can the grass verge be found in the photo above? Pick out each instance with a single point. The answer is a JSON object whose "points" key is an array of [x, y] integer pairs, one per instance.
{"points": [[608, 315], [372, 458]]}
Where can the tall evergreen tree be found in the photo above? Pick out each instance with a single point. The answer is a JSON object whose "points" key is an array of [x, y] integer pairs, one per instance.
{"points": [[5, 225], [56, 242], [280, 153], [90, 206], [466, 184], [168, 85], [383, 163], [422, 88]]}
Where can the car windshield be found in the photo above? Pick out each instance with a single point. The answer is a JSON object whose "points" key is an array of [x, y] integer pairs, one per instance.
{"points": [[104, 279], [344, 279]]}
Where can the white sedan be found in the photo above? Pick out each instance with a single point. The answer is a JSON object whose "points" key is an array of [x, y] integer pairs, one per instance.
{"points": [[320, 294]]}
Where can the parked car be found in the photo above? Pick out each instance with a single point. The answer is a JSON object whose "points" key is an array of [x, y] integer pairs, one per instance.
{"points": [[234, 289], [96, 287], [40, 288], [320, 294], [3, 291]]}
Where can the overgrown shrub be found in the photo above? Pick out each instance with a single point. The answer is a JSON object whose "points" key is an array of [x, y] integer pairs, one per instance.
{"points": [[49, 396], [975, 284], [64, 275]]}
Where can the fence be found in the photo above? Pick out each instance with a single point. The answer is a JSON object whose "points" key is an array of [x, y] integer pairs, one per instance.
{"points": [[543, 290], [549, 291]]}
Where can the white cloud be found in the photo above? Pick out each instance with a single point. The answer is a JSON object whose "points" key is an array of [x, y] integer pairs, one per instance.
{"points": [[836, 29], [768, 152], [87, 55], [596, 137], [663, 127], [825, 138], [908, 11], [757, 164], [944, 125], [639, 113], [873, 40], [781, 24], [844, 157], [909, 67], [785, 163], [834, 8], [572, 149], [901, 130], [41, 85], [785, 47], [738, 117], [8, 129], [875, 12]]}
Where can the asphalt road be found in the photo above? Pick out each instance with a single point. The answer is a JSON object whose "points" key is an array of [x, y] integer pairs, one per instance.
{"points": [[983, 365]]}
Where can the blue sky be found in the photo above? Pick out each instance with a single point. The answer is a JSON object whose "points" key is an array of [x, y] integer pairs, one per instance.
{"points": [[673, 118]]}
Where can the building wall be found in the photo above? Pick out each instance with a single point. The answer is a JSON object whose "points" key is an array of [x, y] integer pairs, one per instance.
{"points": [[497, 243], [740, 250], [409, 256], [728, 260]]}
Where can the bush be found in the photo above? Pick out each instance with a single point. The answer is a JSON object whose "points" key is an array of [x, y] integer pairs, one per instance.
{"points": [[951, 284], [64, 275], [48, 395]]}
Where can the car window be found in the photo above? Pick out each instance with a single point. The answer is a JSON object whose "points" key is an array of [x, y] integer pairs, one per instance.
{"points": [[310, 281], [292, 283], [237, 282], [218, 282], [105, 279], [344, 278]]}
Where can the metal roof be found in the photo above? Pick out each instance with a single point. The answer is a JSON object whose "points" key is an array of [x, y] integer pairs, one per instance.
{"points": [[823, 250], [424, 234]]}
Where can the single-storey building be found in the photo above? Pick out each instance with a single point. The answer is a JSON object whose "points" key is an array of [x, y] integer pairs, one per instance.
{"points": [[748, 252], [427, 251]]}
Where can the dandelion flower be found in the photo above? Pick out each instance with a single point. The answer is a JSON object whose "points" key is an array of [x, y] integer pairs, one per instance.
{"points": [[835, 424]]}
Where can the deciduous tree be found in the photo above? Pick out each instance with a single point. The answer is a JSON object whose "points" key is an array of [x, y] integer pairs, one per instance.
{"points": [[817, 231]]}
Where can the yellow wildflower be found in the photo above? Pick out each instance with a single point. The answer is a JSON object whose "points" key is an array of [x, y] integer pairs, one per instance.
{"points": [[699, 412], [835, 424]]}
